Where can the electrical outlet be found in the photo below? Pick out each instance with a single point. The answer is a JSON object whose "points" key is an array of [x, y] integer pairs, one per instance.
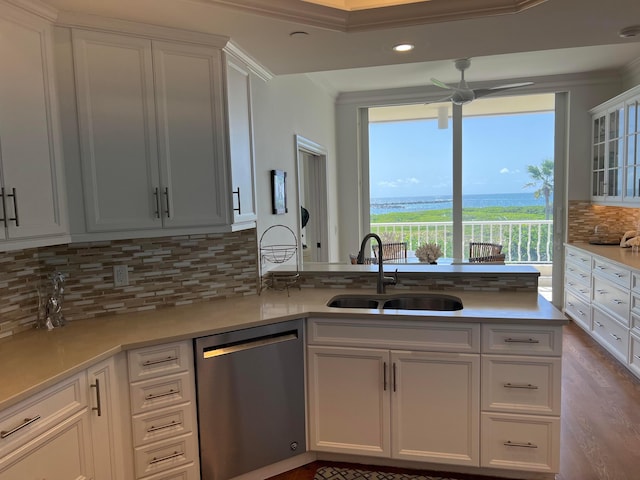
{"points": [[120, 276]]}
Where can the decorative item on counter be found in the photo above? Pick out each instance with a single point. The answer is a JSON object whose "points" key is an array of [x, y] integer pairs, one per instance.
{"points": [[630, 239], [50, 299], [428, 252], [602, 236]]}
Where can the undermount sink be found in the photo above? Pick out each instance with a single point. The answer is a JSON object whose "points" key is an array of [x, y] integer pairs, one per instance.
{"points": [[443, 303], [417, 301]]}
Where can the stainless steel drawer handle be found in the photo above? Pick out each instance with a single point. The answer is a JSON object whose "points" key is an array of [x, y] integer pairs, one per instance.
{"points": [[153, 428], [527, 386], [26, 422], [509, 443], [601, 291], [15, 207], [582, 275], [615, 336], [153, 396], [619, 275], [167, 457], [569, 304], [156, 362], [600, 267], [581, 313], [521, 340], [617, 302], [637, 356], [237, 192], [598, 323]]}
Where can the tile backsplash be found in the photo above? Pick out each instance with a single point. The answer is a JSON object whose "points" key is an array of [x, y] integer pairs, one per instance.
{"points": [[583, 217], [162, 272]]}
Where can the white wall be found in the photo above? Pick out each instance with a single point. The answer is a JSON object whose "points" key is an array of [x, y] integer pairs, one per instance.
{"points": [[283, 107]]}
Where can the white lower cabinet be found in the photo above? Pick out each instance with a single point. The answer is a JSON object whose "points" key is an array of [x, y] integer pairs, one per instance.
{"points": [[491, 404], [163, 412], [404, 404]]}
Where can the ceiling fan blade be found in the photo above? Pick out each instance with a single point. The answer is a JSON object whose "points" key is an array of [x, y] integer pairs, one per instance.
{"points": [[439, 100], [481, 92], [440, 84]]}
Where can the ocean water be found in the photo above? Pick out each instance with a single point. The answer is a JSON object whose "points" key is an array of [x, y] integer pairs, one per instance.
{"points": [[436, 202]]}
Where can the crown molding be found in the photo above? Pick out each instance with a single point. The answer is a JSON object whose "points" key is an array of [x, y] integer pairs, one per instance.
{"points": [[427, 93], [631, 73], [35, 7], [252, 64], [418, 13], [113, 25]]}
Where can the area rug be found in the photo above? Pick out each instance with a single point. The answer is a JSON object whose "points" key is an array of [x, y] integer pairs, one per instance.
{"points": [[336, 473]]}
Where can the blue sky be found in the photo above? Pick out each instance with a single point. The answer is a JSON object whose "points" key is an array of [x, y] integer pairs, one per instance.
{"points": [[413, 158]]}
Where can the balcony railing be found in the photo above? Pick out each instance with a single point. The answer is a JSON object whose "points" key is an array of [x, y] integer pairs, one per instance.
{"points": [[523, 241]]}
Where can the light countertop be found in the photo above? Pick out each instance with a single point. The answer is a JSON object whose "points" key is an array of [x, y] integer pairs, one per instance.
{"points": [[625, 256], [34, 360]]}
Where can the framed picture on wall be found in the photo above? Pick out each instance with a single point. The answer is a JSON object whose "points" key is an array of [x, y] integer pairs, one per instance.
{"points": [[279, 191]]}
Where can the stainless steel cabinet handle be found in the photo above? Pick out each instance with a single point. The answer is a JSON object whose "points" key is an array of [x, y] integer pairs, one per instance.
{"points": [[26, 422], [637, 356], [156, 194], [166, 196], [4, 207], [509, 443], [521, 340], [237, 192], [617, 302], [173, 423], [153, 396], [582, 275], [527, 386], [601, 291], [619, 275], [615, 336], [384, 376], [569, 304], [98, 407], [167, 457], [15, 206], [598, 323], [581, 313], [155, 362], [395, 375]]}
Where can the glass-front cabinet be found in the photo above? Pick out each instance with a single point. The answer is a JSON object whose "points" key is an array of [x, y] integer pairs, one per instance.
{"points": [[615, 163]]}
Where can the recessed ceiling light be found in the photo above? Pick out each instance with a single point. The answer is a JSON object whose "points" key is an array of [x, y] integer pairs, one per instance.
{"points": [[403, 47], [629, 32]]}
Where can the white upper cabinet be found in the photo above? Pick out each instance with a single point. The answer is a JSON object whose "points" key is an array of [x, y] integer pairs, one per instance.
{"points": [[241, 154], [151, 130], [32, 205], [615, 177]]}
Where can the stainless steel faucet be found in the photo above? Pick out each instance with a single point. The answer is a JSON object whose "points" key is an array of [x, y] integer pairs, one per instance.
{"points": [[382, 280]]}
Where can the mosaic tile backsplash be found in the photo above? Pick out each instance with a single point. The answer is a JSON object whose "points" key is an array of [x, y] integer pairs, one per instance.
{"points": [[162, 272], [583, 218]]}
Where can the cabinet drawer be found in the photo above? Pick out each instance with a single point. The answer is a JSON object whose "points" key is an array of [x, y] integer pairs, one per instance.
{"points": [[520, 442], [579, 285], [612, 299], [181, 473], [160, 392], [634, 354], [521, 384], [165, 455], [26, 420], [635, 303], [159, 360], [613, 272], [611, 334], [582, 270], [577, 309], [521, 340], [408, 335], [578, 259], [163, 423]]}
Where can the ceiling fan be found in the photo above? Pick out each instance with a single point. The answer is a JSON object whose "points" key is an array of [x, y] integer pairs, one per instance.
{"points": [[462, 94]]}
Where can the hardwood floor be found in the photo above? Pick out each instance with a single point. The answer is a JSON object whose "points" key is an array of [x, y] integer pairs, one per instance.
{"points": [[600, 437]]}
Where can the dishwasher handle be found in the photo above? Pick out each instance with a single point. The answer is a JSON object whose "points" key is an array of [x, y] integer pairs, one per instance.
{"points": [[235, 347]]}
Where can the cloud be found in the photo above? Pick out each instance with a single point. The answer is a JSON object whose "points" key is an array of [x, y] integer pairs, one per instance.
{"points": [[399, 182], [504, 170]]}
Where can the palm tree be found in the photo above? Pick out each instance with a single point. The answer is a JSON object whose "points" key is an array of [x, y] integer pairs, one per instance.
{"points": [[542, 177]]}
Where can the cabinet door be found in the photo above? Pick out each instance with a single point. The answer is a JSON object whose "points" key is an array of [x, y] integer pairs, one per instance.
{"points": [[109, 439], [116, 114], [62, 453], [29, 156], [436, 407], [189, 101], [349, 400], [598, 165], [632, 141], [241, 142]]}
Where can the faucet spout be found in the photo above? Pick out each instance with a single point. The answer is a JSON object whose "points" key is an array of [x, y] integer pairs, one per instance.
{"points": [[383, 281]]}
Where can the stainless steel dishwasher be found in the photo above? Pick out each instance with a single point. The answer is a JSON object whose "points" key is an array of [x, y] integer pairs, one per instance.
{"points": [[250, 393]]}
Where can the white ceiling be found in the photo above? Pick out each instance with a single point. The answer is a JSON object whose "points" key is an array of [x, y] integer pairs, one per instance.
{"points": [[555, 37]]}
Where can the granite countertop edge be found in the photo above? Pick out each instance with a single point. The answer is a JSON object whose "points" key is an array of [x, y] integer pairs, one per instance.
{"points": [[37, 359]]}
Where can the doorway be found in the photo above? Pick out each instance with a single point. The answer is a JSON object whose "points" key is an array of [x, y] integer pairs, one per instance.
{"points": [[313, 233]]}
